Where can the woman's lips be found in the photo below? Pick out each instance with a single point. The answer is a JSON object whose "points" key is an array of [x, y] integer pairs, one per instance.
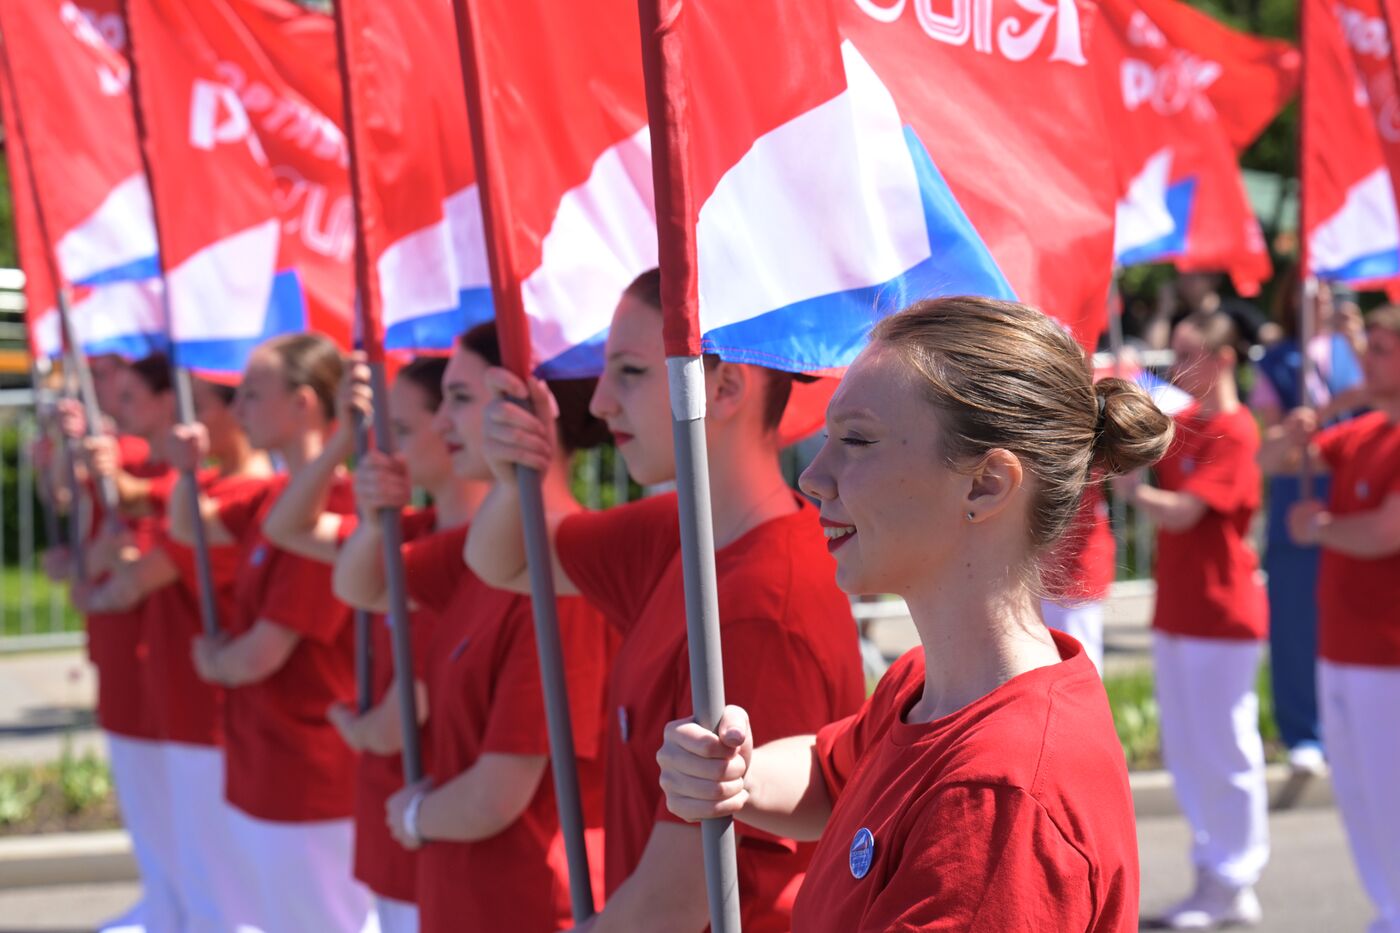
{"points": [[837, 533], [621, 437]]}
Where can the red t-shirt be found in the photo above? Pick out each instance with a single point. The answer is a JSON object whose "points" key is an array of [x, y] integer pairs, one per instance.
{"points": [[1013, 813], [1083, 565], [484, 696], [790, 659], [385, 867], [1359, 598], [1207, 576], [285, 762], [116, 641]]}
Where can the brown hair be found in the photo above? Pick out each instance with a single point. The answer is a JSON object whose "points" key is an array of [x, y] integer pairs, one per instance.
{"points": [[1386, 317], [578, 429], [154, 371], [1003, 375], [777, 384], [310, 361], [425, 372]]}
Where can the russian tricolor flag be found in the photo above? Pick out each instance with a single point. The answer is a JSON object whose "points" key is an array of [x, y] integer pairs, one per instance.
{"points": [[1351, 152], [73, 106]]}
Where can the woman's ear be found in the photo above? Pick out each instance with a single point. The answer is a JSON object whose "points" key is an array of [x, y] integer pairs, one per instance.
{"points": [[993, 483], [729, 385]]}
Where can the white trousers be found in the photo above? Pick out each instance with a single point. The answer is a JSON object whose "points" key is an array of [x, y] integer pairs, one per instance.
{"points": [[396, 916], [1210, 740], [1082, 621], [300, 874], [143, 794], [1358, 706], [211, 892]]}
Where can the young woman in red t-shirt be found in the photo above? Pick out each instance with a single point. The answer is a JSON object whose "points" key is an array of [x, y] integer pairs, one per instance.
{"points": [[117, 642], [789, 642], [162, 586], [982, 786], [483, 821], [285, 655], [1358, 589], [1209, 624], [299, 524]]}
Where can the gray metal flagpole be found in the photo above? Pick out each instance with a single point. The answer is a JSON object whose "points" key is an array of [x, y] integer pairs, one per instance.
{"points": [[204, 571], [184, 393], [686, 377], [364, 649], [1307, 298], [494, 176], [401, 639], [43, 406], [562, 755]]}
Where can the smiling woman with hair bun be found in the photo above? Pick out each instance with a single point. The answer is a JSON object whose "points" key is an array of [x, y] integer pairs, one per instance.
{"points": [[982, 786]]}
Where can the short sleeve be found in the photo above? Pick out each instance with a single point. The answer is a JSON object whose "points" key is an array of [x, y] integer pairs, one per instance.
{"points": [[841, 744], [1331, 442], [1223, 473], [299, 598], [616, 557], [434, 567], [516, 722], [238, 511], [984, 859]]}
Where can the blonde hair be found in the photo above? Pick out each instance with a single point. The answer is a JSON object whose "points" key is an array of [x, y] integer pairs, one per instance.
{"points": [[312, 361], [1004, 375]]}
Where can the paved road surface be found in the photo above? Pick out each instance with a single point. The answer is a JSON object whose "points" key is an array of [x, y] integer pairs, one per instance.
{"points": [[1309, 887]]}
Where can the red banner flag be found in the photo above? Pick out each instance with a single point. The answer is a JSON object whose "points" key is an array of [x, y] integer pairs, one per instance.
{"points": [[1350, 143], [70, 85], [240, 106], [1185, 199], [419, 208], [1248, 78], [559, 129]]}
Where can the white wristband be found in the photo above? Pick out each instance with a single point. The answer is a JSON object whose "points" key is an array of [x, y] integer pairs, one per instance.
{"points": [[410, 817]]}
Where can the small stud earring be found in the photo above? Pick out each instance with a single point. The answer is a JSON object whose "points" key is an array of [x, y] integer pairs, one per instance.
{"points": [[971, 516]]}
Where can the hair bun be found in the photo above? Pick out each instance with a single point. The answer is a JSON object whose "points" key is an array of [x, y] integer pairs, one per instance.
{"points": [[1132, 431]]}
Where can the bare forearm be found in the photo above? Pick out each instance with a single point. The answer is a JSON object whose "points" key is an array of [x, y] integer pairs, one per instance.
{"points": [[1171, 511], [359, 579], [788, 795], [495, 548], [296, 514], [255, 655], [181, 515], [1365, 535], [380, 729], [483, 800], [663, 894]]}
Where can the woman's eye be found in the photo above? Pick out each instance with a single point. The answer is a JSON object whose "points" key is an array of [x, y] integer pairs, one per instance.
{"points": [[851, 441], [633, 371]]}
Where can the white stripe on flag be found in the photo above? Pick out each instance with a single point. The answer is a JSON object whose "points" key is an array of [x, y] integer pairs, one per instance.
{"points": [[827, 202], [1365, 225], [119, 232], [603, 237], [426, 271], [222, 292]]}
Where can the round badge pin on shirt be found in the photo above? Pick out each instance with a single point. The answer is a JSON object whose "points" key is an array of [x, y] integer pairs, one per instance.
{"points": [[862, 853]]}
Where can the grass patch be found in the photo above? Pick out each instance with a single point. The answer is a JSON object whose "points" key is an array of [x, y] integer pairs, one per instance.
{"points": [[73, 795], [1138, 720], [12, 599]]}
